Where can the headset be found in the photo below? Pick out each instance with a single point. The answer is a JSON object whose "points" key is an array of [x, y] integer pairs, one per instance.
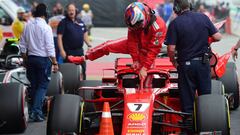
{"points": [[66, 8]]}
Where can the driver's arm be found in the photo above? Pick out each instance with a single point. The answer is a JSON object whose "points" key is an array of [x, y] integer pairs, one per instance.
{"points": [[132, 42]]}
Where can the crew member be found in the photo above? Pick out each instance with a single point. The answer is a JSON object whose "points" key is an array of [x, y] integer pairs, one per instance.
{"points": [[71, 34], [188, 35]]}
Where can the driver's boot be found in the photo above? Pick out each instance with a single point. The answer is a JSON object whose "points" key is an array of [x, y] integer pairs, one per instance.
{"points": [[76, 59]]}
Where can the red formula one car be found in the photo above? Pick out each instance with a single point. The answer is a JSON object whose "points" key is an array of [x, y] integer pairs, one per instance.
{"points": [[145, 107], [139, 107]]}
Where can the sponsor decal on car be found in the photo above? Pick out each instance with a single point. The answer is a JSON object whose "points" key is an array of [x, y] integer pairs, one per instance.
{"points": [[135, 134], [138, 107], [136, 125], [137, 116]]}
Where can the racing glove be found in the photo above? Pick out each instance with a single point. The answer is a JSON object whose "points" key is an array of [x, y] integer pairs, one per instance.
{"points": [[76, 59]]}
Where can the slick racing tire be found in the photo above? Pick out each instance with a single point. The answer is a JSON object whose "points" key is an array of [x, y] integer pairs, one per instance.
{"points": [[211, 114], [231, 85], [217, 87], [55, 85], [14, 111], [88, 94], [71, 77], [64, 115]]}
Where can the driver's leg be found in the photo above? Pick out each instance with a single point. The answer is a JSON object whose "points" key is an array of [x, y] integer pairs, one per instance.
{"points": [[112, 46]]}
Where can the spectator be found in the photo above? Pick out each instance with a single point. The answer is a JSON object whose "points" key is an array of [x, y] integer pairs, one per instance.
{"points": [[86, 15], [71, 34], [167, 10], [28, 16], [37, 49], [54, 22], [33, 7], [160, 10], [19, 22], [203, 10], [57, 9]]}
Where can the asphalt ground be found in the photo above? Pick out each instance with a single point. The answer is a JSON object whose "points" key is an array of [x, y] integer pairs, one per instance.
{"points": [[102, 34]]}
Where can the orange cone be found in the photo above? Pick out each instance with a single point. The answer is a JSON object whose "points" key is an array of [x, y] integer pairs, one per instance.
{"points": [[106, 126]]}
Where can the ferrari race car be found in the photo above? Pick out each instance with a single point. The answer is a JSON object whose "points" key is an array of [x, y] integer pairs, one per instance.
{"points": [[137, 107], [15, 89], [145, 107]]}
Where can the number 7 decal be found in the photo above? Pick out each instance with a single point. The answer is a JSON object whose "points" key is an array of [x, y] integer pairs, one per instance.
{"points": [[138, 107]]}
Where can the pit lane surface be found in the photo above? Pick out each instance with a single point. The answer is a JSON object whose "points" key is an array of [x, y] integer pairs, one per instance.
{"points": [[94, 70]]}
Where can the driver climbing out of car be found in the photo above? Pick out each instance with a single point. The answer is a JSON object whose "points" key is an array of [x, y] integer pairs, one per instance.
{"points": [[188, 35], [146, 33]]}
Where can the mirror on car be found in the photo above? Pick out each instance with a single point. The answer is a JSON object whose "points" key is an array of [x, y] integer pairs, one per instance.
{"points": [[5, 20]]}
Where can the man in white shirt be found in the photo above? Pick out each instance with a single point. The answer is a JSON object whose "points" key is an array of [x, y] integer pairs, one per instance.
{"points": [[37, 48]]}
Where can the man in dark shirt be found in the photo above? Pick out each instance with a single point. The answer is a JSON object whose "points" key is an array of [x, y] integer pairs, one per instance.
{"points": [[188, 35], [71, 34]]}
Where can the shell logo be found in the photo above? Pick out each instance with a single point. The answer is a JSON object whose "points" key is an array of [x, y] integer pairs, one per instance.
{"points": [[136, 116]]}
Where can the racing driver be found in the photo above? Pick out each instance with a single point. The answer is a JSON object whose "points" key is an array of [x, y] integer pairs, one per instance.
{"points": [[146, 33]]}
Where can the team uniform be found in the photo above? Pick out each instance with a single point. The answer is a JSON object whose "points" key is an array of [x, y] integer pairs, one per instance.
{"points": [[143, 46], [190, 32], [73, 38]]}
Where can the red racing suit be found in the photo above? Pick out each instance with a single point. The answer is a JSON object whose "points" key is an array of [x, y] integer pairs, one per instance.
{"points": [[143, 46]]}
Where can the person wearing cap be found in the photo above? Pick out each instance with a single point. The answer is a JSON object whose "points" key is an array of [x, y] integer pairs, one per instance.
{"points": [[19, 22], [188, 34], [235, 49], [86, 15], [37, 49]]}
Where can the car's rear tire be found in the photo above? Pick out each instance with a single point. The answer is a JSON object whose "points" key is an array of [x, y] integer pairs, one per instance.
{"points": [[64, 115], [231, 85], [211, 114], [217, 87], [55, 86], [71, 77], [14, 111]]}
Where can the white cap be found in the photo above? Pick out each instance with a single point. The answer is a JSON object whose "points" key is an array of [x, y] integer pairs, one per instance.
{"points": [[21, 10]]}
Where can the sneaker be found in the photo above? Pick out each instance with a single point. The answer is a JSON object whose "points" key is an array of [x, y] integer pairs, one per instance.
{"points": [[39, 119], [36, 118], [76, 59]]}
